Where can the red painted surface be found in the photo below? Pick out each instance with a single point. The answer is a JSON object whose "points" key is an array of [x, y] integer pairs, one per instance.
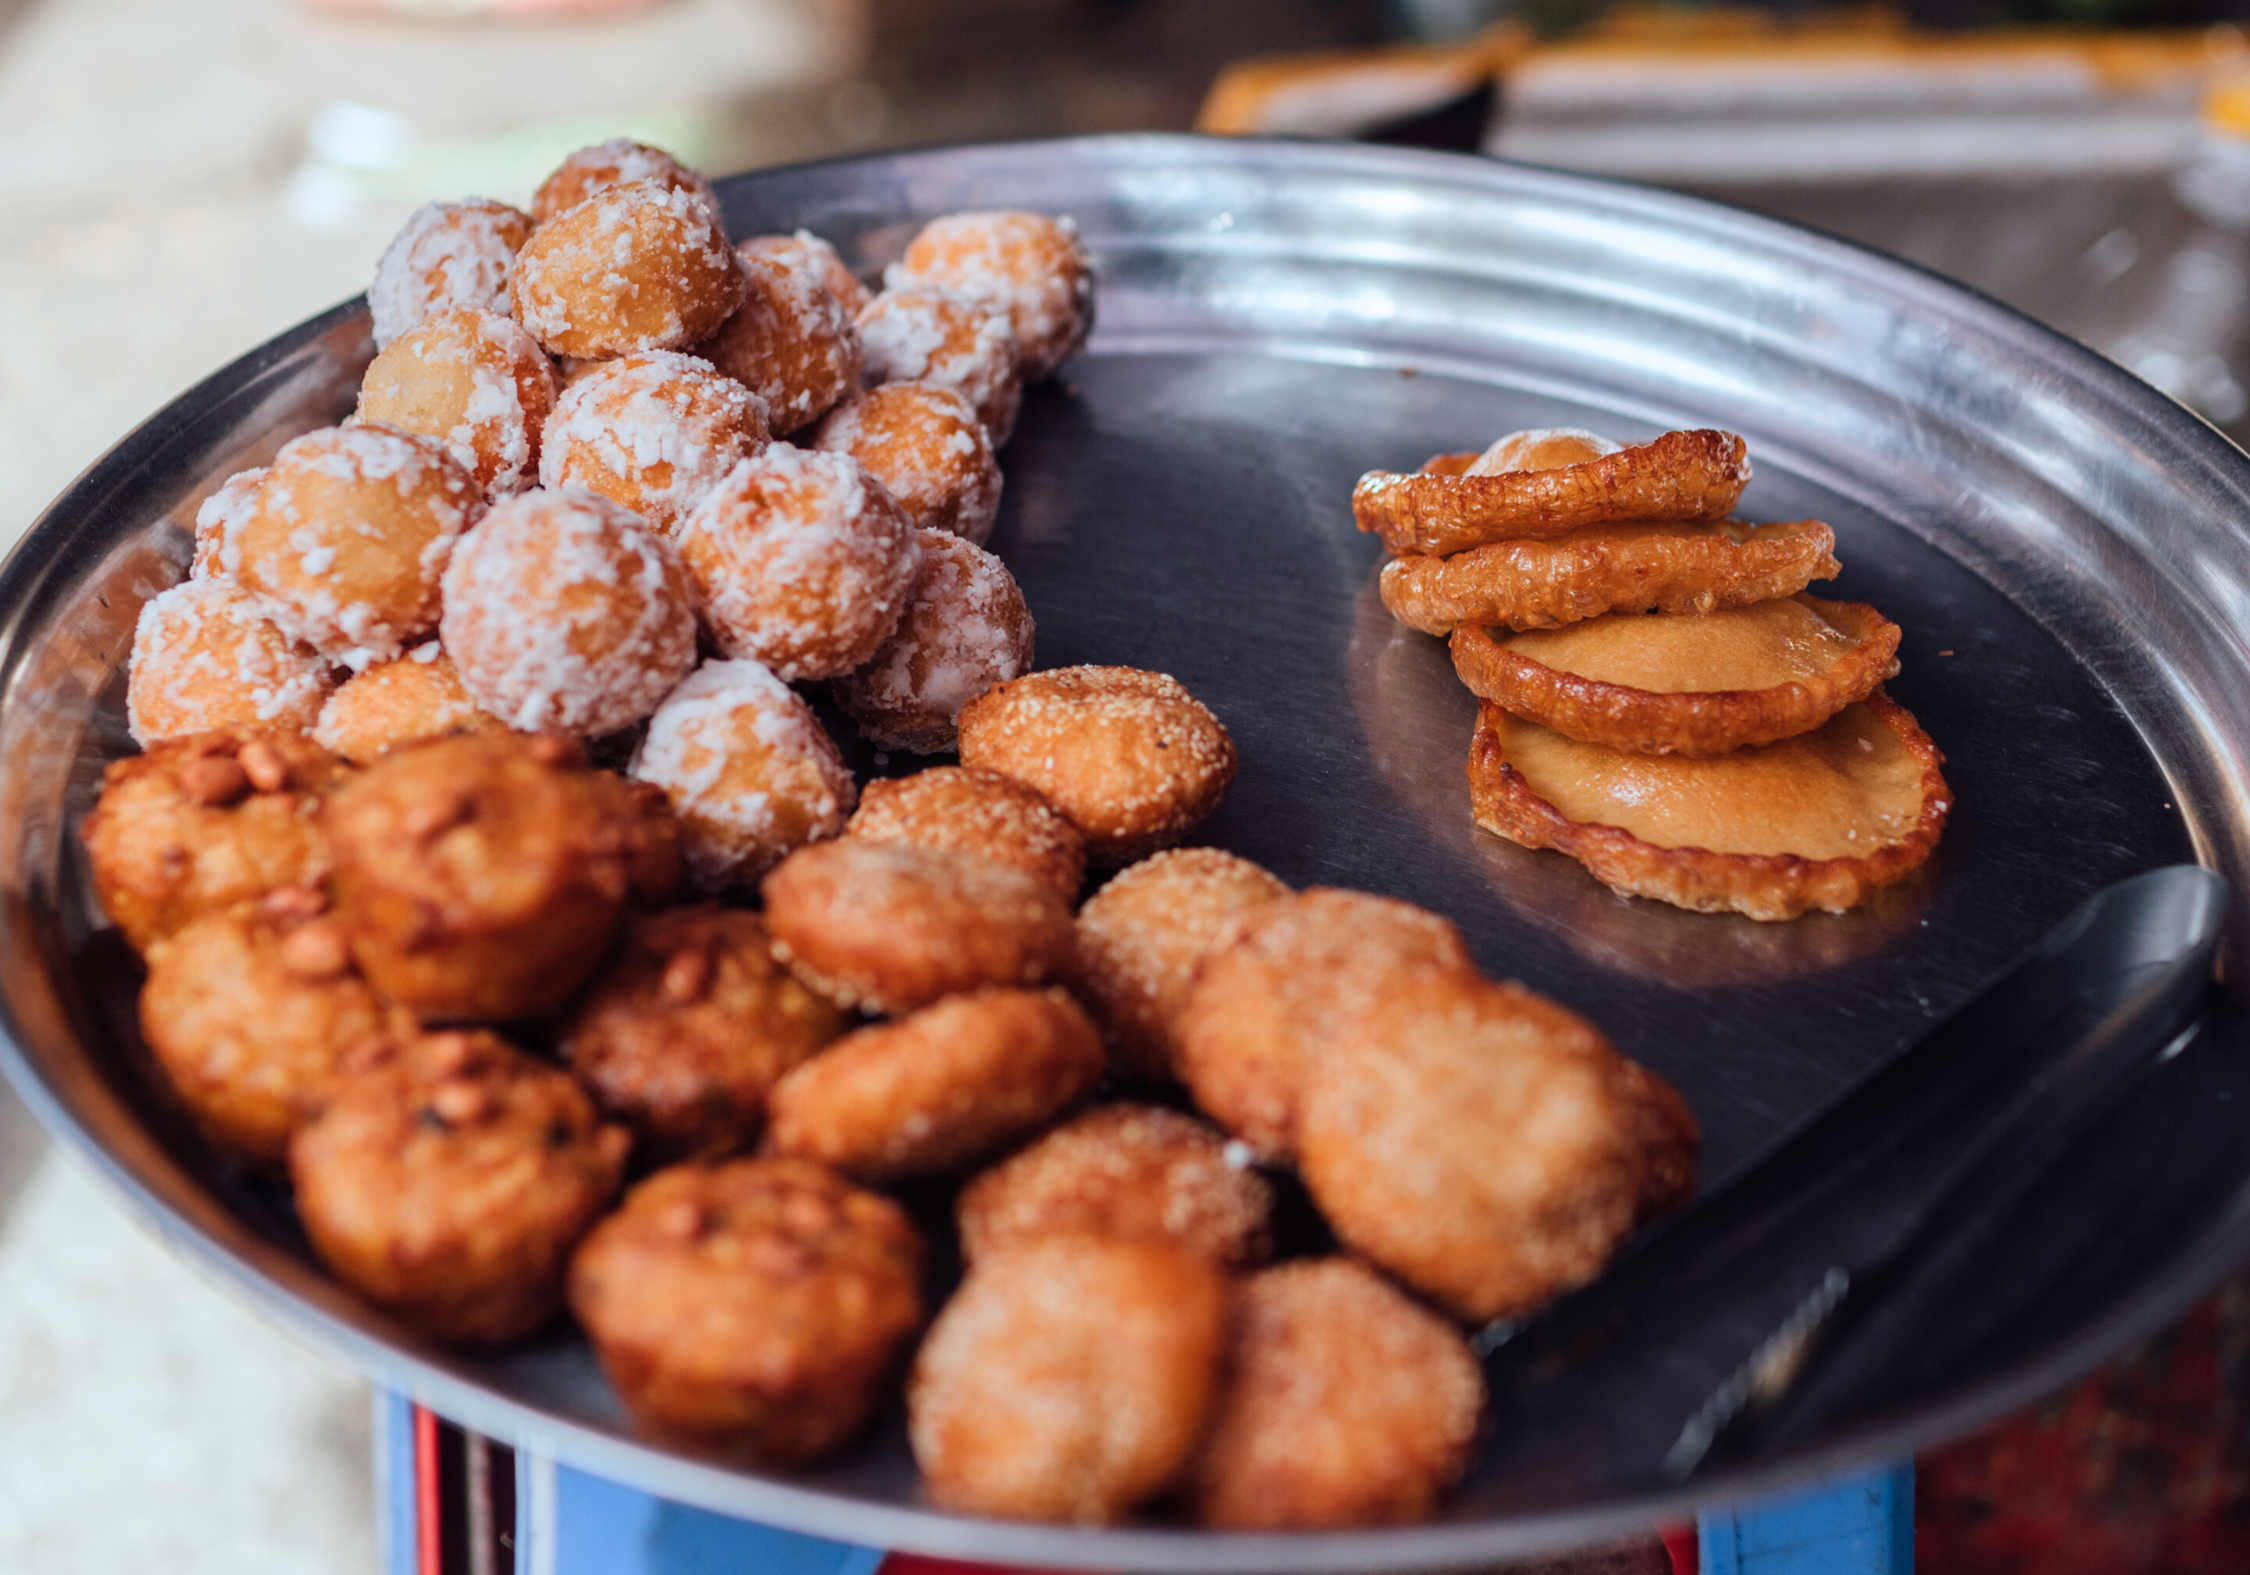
{"points": [[429, 1539], [1681, 1547], [922, 1564]]}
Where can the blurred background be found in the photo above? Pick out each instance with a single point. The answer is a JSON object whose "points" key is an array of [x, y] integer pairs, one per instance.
{"points": [[181, 181]]}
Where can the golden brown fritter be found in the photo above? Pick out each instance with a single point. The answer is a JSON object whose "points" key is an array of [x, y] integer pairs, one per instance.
{"points": [[207, 654], [686, 1032], [1131, 757], [1029, 265], [1608, 568], [760, 1303], [393, 704], [474, 381], [1267, 1008], [1679, 476], [934, 1090], [1144, 934], [965, 630], [641, 265], [1345, 1404], [249, 1010], [890, 927], [1067, 1379], [448, 1178], [613, 163], [960, 809], [1124, 1173], [791, 341], [201, 823], [1487, 1146], [481, 878]]}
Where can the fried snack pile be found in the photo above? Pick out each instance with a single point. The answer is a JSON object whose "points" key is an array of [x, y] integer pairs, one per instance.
{"points": [[1662, 701]]}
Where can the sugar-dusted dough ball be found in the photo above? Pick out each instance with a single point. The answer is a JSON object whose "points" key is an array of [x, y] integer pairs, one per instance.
{"points": [[654, 431], [1130, 756], [205, 655], [613, 163], [449, 254], [474, 381], [1028, 265], [937, 337], [350, 536], [790, 339], [216, 519], [750, 771], [637, 266], [393, 704], [801, 561], [926, 445], [564, 612], [805, 251], [958, 809], [965, 630]]}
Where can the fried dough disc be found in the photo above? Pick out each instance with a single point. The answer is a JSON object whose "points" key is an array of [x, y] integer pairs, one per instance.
{"points": [[961, 809], [654, 431], [762, 1303], [808, 253], [791, 340], [1267, 1008], [637, 266], [448, 1180], [1345, 1404], [1822, 820], [474, 381], [392, 704], [448, 254], [939, 1088], [197, 824], [1067, 1379], [1144, 934], [892, 927], [689, 1029], [1487, 1146], [1130, 756], [1609, 568], [1123, 1173], [205, 655], [1685, 683], [216, 519], [613, 163], [1679, 476], [966, 629]]}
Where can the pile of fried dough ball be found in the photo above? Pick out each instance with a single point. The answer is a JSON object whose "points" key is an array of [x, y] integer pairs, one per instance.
{"points": [[1662, 702], [673, 1046]]}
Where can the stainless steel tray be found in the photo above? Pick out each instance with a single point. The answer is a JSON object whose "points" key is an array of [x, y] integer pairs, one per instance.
{"points": [[2062, 544]]}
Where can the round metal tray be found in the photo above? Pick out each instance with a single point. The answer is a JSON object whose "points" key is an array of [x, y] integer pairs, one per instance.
{"points": [[2061, 543]]}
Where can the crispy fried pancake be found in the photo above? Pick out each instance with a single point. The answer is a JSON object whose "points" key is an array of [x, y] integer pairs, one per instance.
{"points": [[1448, 507], [1822, 820], [1686, 683], [1674, 567]]}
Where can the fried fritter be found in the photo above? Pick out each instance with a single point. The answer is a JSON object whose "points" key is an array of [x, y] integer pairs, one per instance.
{"points": [[1345, 1405], [1068, 1379], [641, 265], [206, 655], [890, 927], [1144, 934], [1123, 1173], [760, 1303], [393, 704], [1609, 568], [1434, 513], [1487, 1146], [965, 630], [960, 809]]}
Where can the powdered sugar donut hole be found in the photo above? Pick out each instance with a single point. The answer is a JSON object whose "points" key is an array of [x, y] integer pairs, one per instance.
{"points": [[807, 251], [791, 340], [614, 163], [565, 613], [637, 266], [216, 519], [653, 431], [205, 655], [967, 629], [933, 336], [392, 704], [750, 771], [1026, 264], [801, 561], [926, 445], [476, 382], [449, 254], [349, 536]]}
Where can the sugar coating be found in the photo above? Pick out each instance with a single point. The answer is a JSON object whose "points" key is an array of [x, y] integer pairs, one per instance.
{"points": [[750, 771], [448, 254], [966, 630], [950, 341], [205, 655], [474, 381], [801, 561], [654, 431], [927, 446], [613, 163], [1541, 448], [216, 520], [791, 339], [564, 612], [807, 252], [1026, 264], [637, 266]]}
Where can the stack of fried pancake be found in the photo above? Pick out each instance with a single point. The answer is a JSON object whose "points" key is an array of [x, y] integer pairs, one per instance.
{"points": [[1662, 701]]}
